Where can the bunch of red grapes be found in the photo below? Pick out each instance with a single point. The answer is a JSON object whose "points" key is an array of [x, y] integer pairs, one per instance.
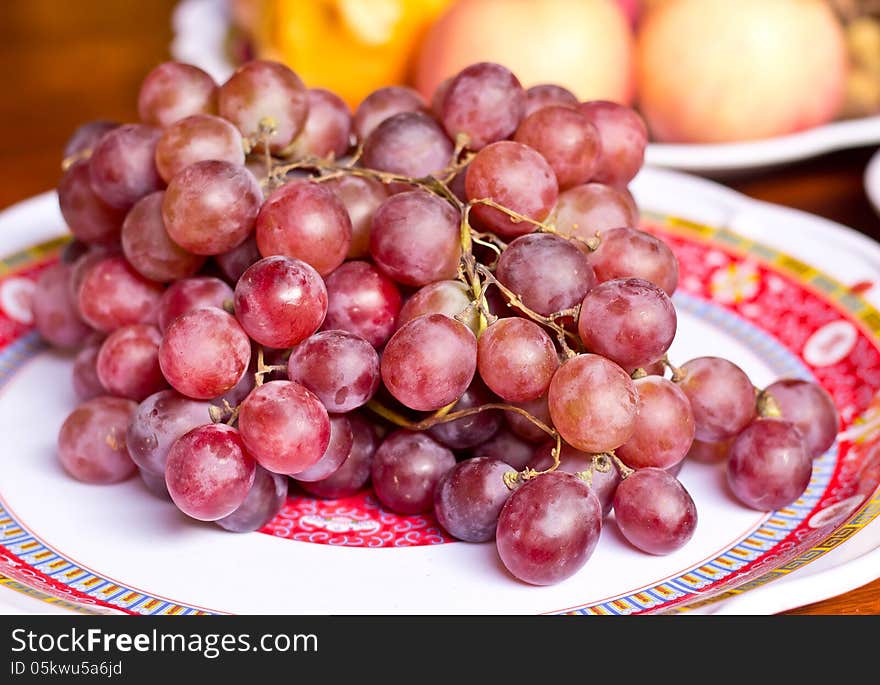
{"points": [[449, 302]]}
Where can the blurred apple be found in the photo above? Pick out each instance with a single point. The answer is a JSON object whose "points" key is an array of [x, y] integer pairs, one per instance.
{"points": [[721, 71], [583, 45]]}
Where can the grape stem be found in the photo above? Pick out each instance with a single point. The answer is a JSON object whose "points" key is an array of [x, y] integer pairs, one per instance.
{"points": [[766, 405], [601, 462], [443, 415], [678, 374], [263, 368]]}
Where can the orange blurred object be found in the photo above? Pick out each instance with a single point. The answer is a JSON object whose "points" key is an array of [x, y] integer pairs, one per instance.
{"points": [[584, 45], [351, 47]]}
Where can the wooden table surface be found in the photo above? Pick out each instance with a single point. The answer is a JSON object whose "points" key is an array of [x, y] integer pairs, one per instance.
{"points": [[65, 62]]}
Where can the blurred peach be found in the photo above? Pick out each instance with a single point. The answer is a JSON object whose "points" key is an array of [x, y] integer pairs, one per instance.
{"points": [[583, 45], [720, 71]]}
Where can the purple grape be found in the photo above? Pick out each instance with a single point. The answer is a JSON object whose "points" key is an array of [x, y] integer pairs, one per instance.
{"points": [[354, 474], [469, 497], [472, 430], [811, 409]]}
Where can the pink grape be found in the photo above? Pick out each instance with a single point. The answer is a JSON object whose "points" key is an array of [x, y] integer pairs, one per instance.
{"points": [[547, 95], [664, 426], [361, 197], [55, 312], [209, 472], [265, 92], [811, 409], [263, 501], [548, 528], [327, 131], [415, 238], [603, 483], [234, 262], [187, 294], [406, 469], [469, 431], [149, 249], [86, 383], [91, 442], [157, 423], [623, 135], [197, 138], [338, 449], [469, 496], [547, 272], [382, 104], [768, 466], [630, 321], [484, 102], [85, 137], [654, 511], [354, 474], [306, 221], [81, 264], [285, 426], [211, 206], [593, 403], [155, 483], [88, 217], [449, 297], [525, 429], [280, 301], [362, 301], [629, 253], [112, 294], [566, 139], [204, 353], [174, 90], [589, 209], [341, 368], [438, 96], [516, 177], [429, 362], [721, 395], [128, 362], [122, 168], [709, 452], [409, 144], [516, 359], [506, 446]]}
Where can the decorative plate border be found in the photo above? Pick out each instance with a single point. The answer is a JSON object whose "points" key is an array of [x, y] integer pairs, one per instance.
{"points": [[33, 568]]}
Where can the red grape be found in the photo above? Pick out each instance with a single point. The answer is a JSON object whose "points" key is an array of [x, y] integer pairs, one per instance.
{"points": [[86, 383], [654, 511], [603, 482], [192, 293], [204, 353], [630, 321], [508, 447], [265, 92], [469, 431], [174, 90], [112, 294], [285, 426], [83, 140], [415, 238], [327, 131], [209, 472], [516, 177], [280, 301], [382, 104], [361, 197], [721, 395], [149, 249], [548, 528], [664, 427], [429, 362], [709, 452], [197, 138], [452, 298], [566, 139], [362, 301], [55, 312], [546, 95], [623, 135], [811, 409], [630, 253], [338, 449], [409, 144], [523, 427], [354, 473], [589, 209], [263, 501], [485, 102], [341, 368], [210, 207], [768, 466], [406, 469], [122, 168], [306, 221], [88, 217], [128, 362], [91, 442], [234, 262], [593, 403], [516, 359], [469, 497]]}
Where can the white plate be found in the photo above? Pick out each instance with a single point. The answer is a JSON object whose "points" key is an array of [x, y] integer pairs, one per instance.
{"points": [[143, 555]]}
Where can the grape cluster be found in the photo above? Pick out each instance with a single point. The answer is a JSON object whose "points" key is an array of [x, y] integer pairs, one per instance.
{"points": [[449, 302]]}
